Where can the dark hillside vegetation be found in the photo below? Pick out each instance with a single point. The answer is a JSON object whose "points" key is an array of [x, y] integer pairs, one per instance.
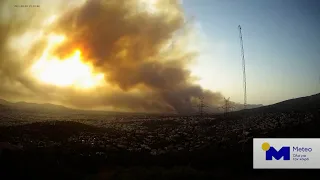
{"points": [[156, 147], [226, 159]]}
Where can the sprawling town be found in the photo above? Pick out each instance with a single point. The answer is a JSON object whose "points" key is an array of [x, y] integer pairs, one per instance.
{"points": [[154, 134]]}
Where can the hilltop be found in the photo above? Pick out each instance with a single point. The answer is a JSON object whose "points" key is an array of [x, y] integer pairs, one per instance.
{"points": [[301, 104], [33, 106]]}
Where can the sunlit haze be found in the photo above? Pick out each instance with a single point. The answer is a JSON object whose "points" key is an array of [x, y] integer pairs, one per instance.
{"points": [[65, 72]]}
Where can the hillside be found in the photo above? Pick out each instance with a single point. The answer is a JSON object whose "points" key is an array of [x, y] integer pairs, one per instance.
{"points": [[4, 102], [301, 104], [47, 107], [298, 104], [239, 107], [52, 107], [208, 148], [32, 106]]}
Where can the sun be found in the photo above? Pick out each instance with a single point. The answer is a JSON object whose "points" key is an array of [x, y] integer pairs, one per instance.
{"points": [[71, 71]]}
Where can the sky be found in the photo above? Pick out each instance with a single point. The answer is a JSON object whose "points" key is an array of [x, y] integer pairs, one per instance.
{"points": [[157, 55], [281, 44]]}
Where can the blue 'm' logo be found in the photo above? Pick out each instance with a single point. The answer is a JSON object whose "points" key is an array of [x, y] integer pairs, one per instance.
{"points": [[272, 152]]}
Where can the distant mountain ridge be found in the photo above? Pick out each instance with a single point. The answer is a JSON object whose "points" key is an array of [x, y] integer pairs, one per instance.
{"points": [[48, 106], [4, 102], [27, 105], [22, 105], [298, 104]]}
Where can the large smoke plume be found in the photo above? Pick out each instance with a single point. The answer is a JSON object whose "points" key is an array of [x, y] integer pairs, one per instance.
{"points": [[129, 45]]}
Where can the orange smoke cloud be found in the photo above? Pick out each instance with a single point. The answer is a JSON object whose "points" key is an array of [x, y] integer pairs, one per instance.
{"points": [[129, 46]]}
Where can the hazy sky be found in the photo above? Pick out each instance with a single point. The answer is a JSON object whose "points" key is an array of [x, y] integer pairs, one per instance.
{"points": [[281, 43]]}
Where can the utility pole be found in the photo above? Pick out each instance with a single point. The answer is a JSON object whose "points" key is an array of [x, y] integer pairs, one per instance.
{"points": [[201, 106], [227, 107], [243, 70]]}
